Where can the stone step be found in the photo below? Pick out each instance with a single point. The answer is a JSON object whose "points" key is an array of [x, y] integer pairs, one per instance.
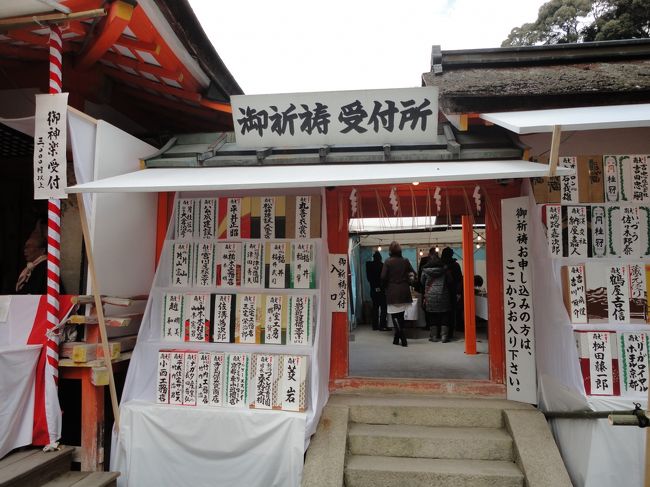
{"points": [[85, 479], [430, 442], [371, 471], [425, 410], [34, 467]]}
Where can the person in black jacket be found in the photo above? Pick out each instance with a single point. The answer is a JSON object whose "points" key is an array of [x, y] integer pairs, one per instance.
{"points": [[373, 274], [436, 284], [456, 290]]}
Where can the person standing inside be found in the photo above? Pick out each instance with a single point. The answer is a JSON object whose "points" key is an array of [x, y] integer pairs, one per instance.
{"points": [[456, 290], [436, 283], [396, 278], [373, 274], [33, 278]]}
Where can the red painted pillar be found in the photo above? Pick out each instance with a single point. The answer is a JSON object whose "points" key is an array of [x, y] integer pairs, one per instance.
{"points": [[468, 284], [337, 242], [494, 264]]}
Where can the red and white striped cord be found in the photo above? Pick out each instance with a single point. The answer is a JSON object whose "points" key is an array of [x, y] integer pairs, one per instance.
{"points": [[54, 221], [52, 411]]}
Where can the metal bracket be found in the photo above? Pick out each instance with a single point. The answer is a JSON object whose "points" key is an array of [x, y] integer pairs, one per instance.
{"points": [[323, 152], [263, 153], [452, 145]]}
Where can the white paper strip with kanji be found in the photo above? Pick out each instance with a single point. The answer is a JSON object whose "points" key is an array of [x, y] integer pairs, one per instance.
{"points": [[517, 302], [337, 271], [50, 146]]}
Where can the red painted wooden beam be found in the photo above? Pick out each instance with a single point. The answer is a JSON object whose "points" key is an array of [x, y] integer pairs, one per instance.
{"points": [[468, 284], [118, 18], [337, 242], [494, 266]]}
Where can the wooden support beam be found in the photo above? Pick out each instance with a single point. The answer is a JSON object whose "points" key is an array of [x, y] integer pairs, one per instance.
{"points": [[215, 105], [23, 53], [92, 420], [131, 63], [51, 18], [555, 150], [118, 18], [159, 87], [78, 351], [113, 322], [98, 308], [468, 284], [494, 268], [198, 111], [337, 242], [99, 376], [113, 300], [138, 45]]}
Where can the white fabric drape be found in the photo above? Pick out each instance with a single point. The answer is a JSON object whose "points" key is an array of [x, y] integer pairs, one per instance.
{"points": [[595, 453], [215, 445]]}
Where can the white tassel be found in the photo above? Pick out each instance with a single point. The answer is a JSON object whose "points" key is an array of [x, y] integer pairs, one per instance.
{"points": [[477, 199]]}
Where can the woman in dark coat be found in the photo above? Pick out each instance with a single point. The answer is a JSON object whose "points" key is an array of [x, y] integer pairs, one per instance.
{"points": [[396, 276], [437, 284]]}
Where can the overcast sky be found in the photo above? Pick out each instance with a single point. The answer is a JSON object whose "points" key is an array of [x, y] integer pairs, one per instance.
{"points": [[287, 46]]}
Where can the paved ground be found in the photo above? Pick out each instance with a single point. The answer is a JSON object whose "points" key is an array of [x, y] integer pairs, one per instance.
{"points": [[372, 354]]}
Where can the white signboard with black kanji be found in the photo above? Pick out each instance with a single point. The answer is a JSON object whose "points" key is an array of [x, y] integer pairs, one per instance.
{"points": [[173, 317], [217, 374], [398, 116], [518, 302], [569, 184], [618, 294], [634, 357], [600, 363], [203, 379], [264, 375], [185, 216], [554, 229], [337, 276], [253, 264], [301, 319], [237, 370], [50, 132]]}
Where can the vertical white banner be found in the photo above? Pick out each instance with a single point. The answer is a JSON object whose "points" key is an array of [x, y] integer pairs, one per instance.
{"points": [[600, 363], [577, 231], [554, 229], [577, 294], [337, 272], [569, 184], [50, 146], [517, 301]]}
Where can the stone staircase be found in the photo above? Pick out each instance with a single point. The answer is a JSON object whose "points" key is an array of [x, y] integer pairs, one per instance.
{"points": [[34, 468], [415, 440]]}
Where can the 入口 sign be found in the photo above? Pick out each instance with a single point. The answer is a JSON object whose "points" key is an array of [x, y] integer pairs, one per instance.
{"points": [[369, 117]]}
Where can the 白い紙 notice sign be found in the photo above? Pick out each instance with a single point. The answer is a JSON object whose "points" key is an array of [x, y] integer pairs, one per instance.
{"points": [[369, 117], [50, 146]]}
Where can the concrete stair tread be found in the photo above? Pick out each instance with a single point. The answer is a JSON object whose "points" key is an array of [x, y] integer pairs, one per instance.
{"points": [[424, 400], [434, 465], [34, 467], [84, 479], [428, 432]]}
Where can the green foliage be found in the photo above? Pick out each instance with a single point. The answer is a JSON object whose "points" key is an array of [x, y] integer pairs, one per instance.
{"points": [[563, 21]]}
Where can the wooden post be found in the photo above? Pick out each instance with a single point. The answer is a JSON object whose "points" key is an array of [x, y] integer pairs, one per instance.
{"points": [[494, 265], [99, 309], [555, 149], [469, 307], [337, 242], [92, 420]]}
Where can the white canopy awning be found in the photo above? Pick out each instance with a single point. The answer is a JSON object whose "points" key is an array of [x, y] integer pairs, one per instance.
{"points": [[316, 175], [583, 118]]}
